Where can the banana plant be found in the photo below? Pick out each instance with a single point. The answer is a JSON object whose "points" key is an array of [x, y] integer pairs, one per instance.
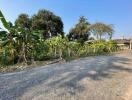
{"points": [[3, 33], [7, 36], [8, 28]]}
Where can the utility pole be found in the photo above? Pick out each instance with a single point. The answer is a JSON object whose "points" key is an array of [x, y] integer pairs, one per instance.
{"points": [[122, 37]]}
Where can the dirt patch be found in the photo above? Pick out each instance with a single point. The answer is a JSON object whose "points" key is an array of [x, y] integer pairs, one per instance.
{"points": [[128, 94]]}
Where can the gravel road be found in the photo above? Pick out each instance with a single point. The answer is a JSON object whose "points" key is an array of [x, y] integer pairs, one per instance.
{"points": [[90, 78]]}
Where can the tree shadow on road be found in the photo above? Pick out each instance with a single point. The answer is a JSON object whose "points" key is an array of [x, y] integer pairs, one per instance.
{"points": [[97, 70], [66, 75]]}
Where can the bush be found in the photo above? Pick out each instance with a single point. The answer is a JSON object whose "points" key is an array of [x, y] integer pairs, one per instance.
{"points": [[58, 47]]}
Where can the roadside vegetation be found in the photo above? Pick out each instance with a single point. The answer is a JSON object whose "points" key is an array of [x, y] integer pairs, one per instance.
{"points": [[41, 38]]}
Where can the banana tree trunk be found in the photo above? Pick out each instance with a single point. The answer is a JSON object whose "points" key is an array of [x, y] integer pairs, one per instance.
{"points": [[22, 56], [24, 53], [100, 37], [94, 50], [110, 49], [97, 36], [60, 52], [69, 52], [55, 53]]}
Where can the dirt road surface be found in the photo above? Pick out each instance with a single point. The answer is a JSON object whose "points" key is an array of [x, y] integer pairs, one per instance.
{"points": [[90, 78]]}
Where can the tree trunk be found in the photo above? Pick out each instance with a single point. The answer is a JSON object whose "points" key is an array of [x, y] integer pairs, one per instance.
{"points": [[69, 52], [55, 54], [22, 56], [110, 50], [60, 53], [97, 36], [24, 53], [94, 50], [100, 37]]}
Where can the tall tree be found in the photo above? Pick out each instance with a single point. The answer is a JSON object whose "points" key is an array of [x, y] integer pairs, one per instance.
{"points": [[47, 23], [23, 21], [81, 30], [101, 29]]}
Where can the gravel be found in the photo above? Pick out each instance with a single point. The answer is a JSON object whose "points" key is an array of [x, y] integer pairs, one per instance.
{"points": [[90, 78]]}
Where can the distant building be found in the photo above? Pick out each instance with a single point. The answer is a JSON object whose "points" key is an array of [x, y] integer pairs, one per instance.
{"points": [[124, 43]]}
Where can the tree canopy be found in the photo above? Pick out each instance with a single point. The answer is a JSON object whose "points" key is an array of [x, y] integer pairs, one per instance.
{"points": [[47, 22], [81, 30], [23, 21], [101, 29]]}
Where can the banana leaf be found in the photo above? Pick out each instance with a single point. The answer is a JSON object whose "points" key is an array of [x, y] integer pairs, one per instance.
{"points": [[4, 22], [4, 43], [3, 35]]}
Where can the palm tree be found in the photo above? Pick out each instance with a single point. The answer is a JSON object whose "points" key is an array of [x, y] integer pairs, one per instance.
{"points": [[81, 30]]}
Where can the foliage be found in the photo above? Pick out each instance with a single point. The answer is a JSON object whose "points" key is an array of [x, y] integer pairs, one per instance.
{"points": [[3, 20], [48, 23], [100, 29], [57, 44], [80, 31], [23, 42], [23, 21]]}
